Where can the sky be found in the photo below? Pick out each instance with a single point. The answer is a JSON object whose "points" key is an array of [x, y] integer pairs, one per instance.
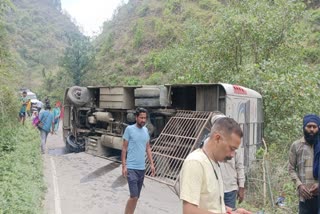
{"points": [[90, 14]]}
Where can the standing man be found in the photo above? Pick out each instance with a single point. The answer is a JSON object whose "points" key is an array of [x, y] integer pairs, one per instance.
{"points": [[233, 178], [232, 171], [201, 185], [56, 116], [22, 112], [46, 117], [304, 165], [135, 146]]}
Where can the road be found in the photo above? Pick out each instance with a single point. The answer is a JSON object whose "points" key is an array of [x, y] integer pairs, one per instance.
{"points": [[84, 184]]}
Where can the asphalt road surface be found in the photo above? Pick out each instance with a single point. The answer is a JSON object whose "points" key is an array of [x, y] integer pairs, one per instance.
{"points": [[83, 184]]}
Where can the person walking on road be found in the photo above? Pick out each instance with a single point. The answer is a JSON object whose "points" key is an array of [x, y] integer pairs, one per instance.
{"points": [[135, 146], [46, 118], [56, 116], [35, 118], [201, 184], [23, 109], [61, 112], [304, 165]]}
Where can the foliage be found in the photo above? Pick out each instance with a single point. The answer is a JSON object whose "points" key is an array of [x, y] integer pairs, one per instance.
{"points": [[8, 101], [21, 183], [38, 35], [77, 57], [138, 34], [269, 46]]}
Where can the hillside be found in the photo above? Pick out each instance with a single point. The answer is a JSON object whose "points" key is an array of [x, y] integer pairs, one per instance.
{"points": [[38, 34], [272, 47], [141, 27], [148, 39]]}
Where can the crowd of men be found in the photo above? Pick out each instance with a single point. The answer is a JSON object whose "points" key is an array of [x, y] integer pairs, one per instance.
{"points": [[212, 177], [46, 120]]}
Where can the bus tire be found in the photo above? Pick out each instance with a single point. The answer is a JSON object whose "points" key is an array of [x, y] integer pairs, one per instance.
{"points": [[78, 96]]}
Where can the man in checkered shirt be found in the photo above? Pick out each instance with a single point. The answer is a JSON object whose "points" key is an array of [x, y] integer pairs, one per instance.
{"points": [[304, 165]]}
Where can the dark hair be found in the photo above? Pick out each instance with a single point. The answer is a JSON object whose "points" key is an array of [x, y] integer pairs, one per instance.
{"points": [[227, 125], [140, 110], [47, 107], [24, 92]]}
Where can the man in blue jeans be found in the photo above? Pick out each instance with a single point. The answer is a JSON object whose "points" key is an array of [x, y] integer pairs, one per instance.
{"points": [[46, 117], [135, 146]]}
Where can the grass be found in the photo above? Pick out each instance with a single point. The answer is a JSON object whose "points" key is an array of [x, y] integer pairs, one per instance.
{"points": [[21, 179]]}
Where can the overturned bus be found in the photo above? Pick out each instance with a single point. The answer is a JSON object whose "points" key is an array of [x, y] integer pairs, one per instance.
{"points": [[178, 119]]}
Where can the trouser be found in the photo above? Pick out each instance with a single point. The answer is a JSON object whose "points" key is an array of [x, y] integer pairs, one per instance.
{"points": [[230, 198], [135, 181], [309, 206], [56, 125], [43, 137]]}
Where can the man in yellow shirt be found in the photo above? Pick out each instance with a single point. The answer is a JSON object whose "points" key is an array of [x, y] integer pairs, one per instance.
{"points": [[201, 185]]}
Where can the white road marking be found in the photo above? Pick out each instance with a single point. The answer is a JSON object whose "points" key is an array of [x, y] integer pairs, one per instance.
{"points": [[55, 188]]}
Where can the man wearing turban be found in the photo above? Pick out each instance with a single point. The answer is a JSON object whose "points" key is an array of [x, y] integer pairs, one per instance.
{"points": [[304, 165]]}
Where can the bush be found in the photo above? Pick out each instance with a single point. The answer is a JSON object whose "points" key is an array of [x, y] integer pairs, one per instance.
{"points": [[138, 34], [21, 179]]}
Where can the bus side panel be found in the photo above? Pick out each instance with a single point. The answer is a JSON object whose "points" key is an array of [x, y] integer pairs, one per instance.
{"points": [[245, 111]]}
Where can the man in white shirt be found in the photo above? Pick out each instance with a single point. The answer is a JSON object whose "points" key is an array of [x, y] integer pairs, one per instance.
{"points": [[232, 172], [201, 185], [233, 179]]}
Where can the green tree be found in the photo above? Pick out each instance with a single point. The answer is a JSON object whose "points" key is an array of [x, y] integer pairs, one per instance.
{"points": [[8, 102], [262, 45], [77, 57]]}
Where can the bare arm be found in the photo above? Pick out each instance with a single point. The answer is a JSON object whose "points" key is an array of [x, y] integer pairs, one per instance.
{"points": [[149, 154], [123, 157]]}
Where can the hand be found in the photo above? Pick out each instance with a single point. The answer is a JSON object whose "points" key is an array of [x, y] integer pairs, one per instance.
{"points": [[124, 171], [241, 211], [228, 210], [314, 189], [240, 195], [304, 192], [153, 170]]}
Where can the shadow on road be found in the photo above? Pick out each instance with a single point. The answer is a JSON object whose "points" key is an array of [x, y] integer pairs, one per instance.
{"points": [[119, 182], [99, 172]]}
